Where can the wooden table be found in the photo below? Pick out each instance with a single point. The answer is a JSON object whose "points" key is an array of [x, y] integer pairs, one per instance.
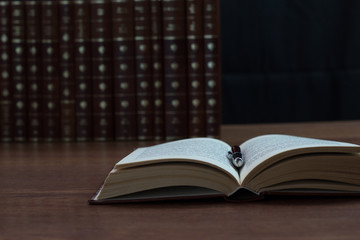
{"points": [[44, 189]]}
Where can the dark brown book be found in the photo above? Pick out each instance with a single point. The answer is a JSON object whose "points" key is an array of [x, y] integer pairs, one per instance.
{"points": [[143, 63], [124, 69], [33, 30], [66, 70], [208, 167], [195, 67], [18, 70], [175, 76], [101, 56], [212, 67], [50, 101], [6, 122], [157, 69], [83, 73]]}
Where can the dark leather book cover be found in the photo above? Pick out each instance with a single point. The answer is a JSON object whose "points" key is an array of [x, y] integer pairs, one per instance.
{"points": [[143, 63], [124, 69], [212, 67], [6, 126], [18, 70], [66, 71], [101, 56], [175, 76], [82, 71], [157, 68], [50, 102], [33, 44], [195, 67]]}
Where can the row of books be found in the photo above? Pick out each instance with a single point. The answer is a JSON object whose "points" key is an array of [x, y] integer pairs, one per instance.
{"points": [[104, 70]]}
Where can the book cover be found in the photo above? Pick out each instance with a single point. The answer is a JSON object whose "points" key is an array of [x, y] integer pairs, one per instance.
{"points": [[33, 56], [18, 70], [82, 71], [6, 121], [66, 71], [212, 67], [50, 99], [175, 76], [101, 56], [143, 63], [157, 68], [195, 67], [124, 69]]}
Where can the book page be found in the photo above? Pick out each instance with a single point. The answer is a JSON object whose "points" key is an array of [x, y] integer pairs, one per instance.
{"points": [[256, 150], [203, 150]]}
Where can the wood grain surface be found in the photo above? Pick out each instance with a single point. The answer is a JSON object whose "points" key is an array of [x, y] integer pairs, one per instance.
{"points": [[44, 189]]}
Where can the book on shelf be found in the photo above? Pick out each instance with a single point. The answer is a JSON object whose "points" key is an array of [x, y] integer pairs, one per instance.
{"points": [[33, 38], [205, 168], [6, 126], [195, 67], [175, 77], [157, 69], [50, 89], [66, 71], [124, 69], [18, 70], [101, 56], [143, 63], [82, 71], [212, 72]]}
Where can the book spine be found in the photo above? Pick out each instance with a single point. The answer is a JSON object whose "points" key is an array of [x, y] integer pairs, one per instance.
{"points": [[18, 70], [124, 69], [212, 67], [176, 120], [66, 71], [6, 126], [195, 67], [101, 56], [157, 69], [32, 9], [83, 83], [143, 62], [50, 109]]}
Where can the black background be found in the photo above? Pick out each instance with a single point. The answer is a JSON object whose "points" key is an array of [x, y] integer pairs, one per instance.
{"points": [[290, 60]]}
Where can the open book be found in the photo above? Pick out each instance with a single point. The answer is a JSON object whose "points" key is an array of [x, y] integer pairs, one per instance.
{"points": [[199, 167]]}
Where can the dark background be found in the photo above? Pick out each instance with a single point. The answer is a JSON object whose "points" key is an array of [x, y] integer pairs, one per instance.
{"points": [[290, 60]]}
